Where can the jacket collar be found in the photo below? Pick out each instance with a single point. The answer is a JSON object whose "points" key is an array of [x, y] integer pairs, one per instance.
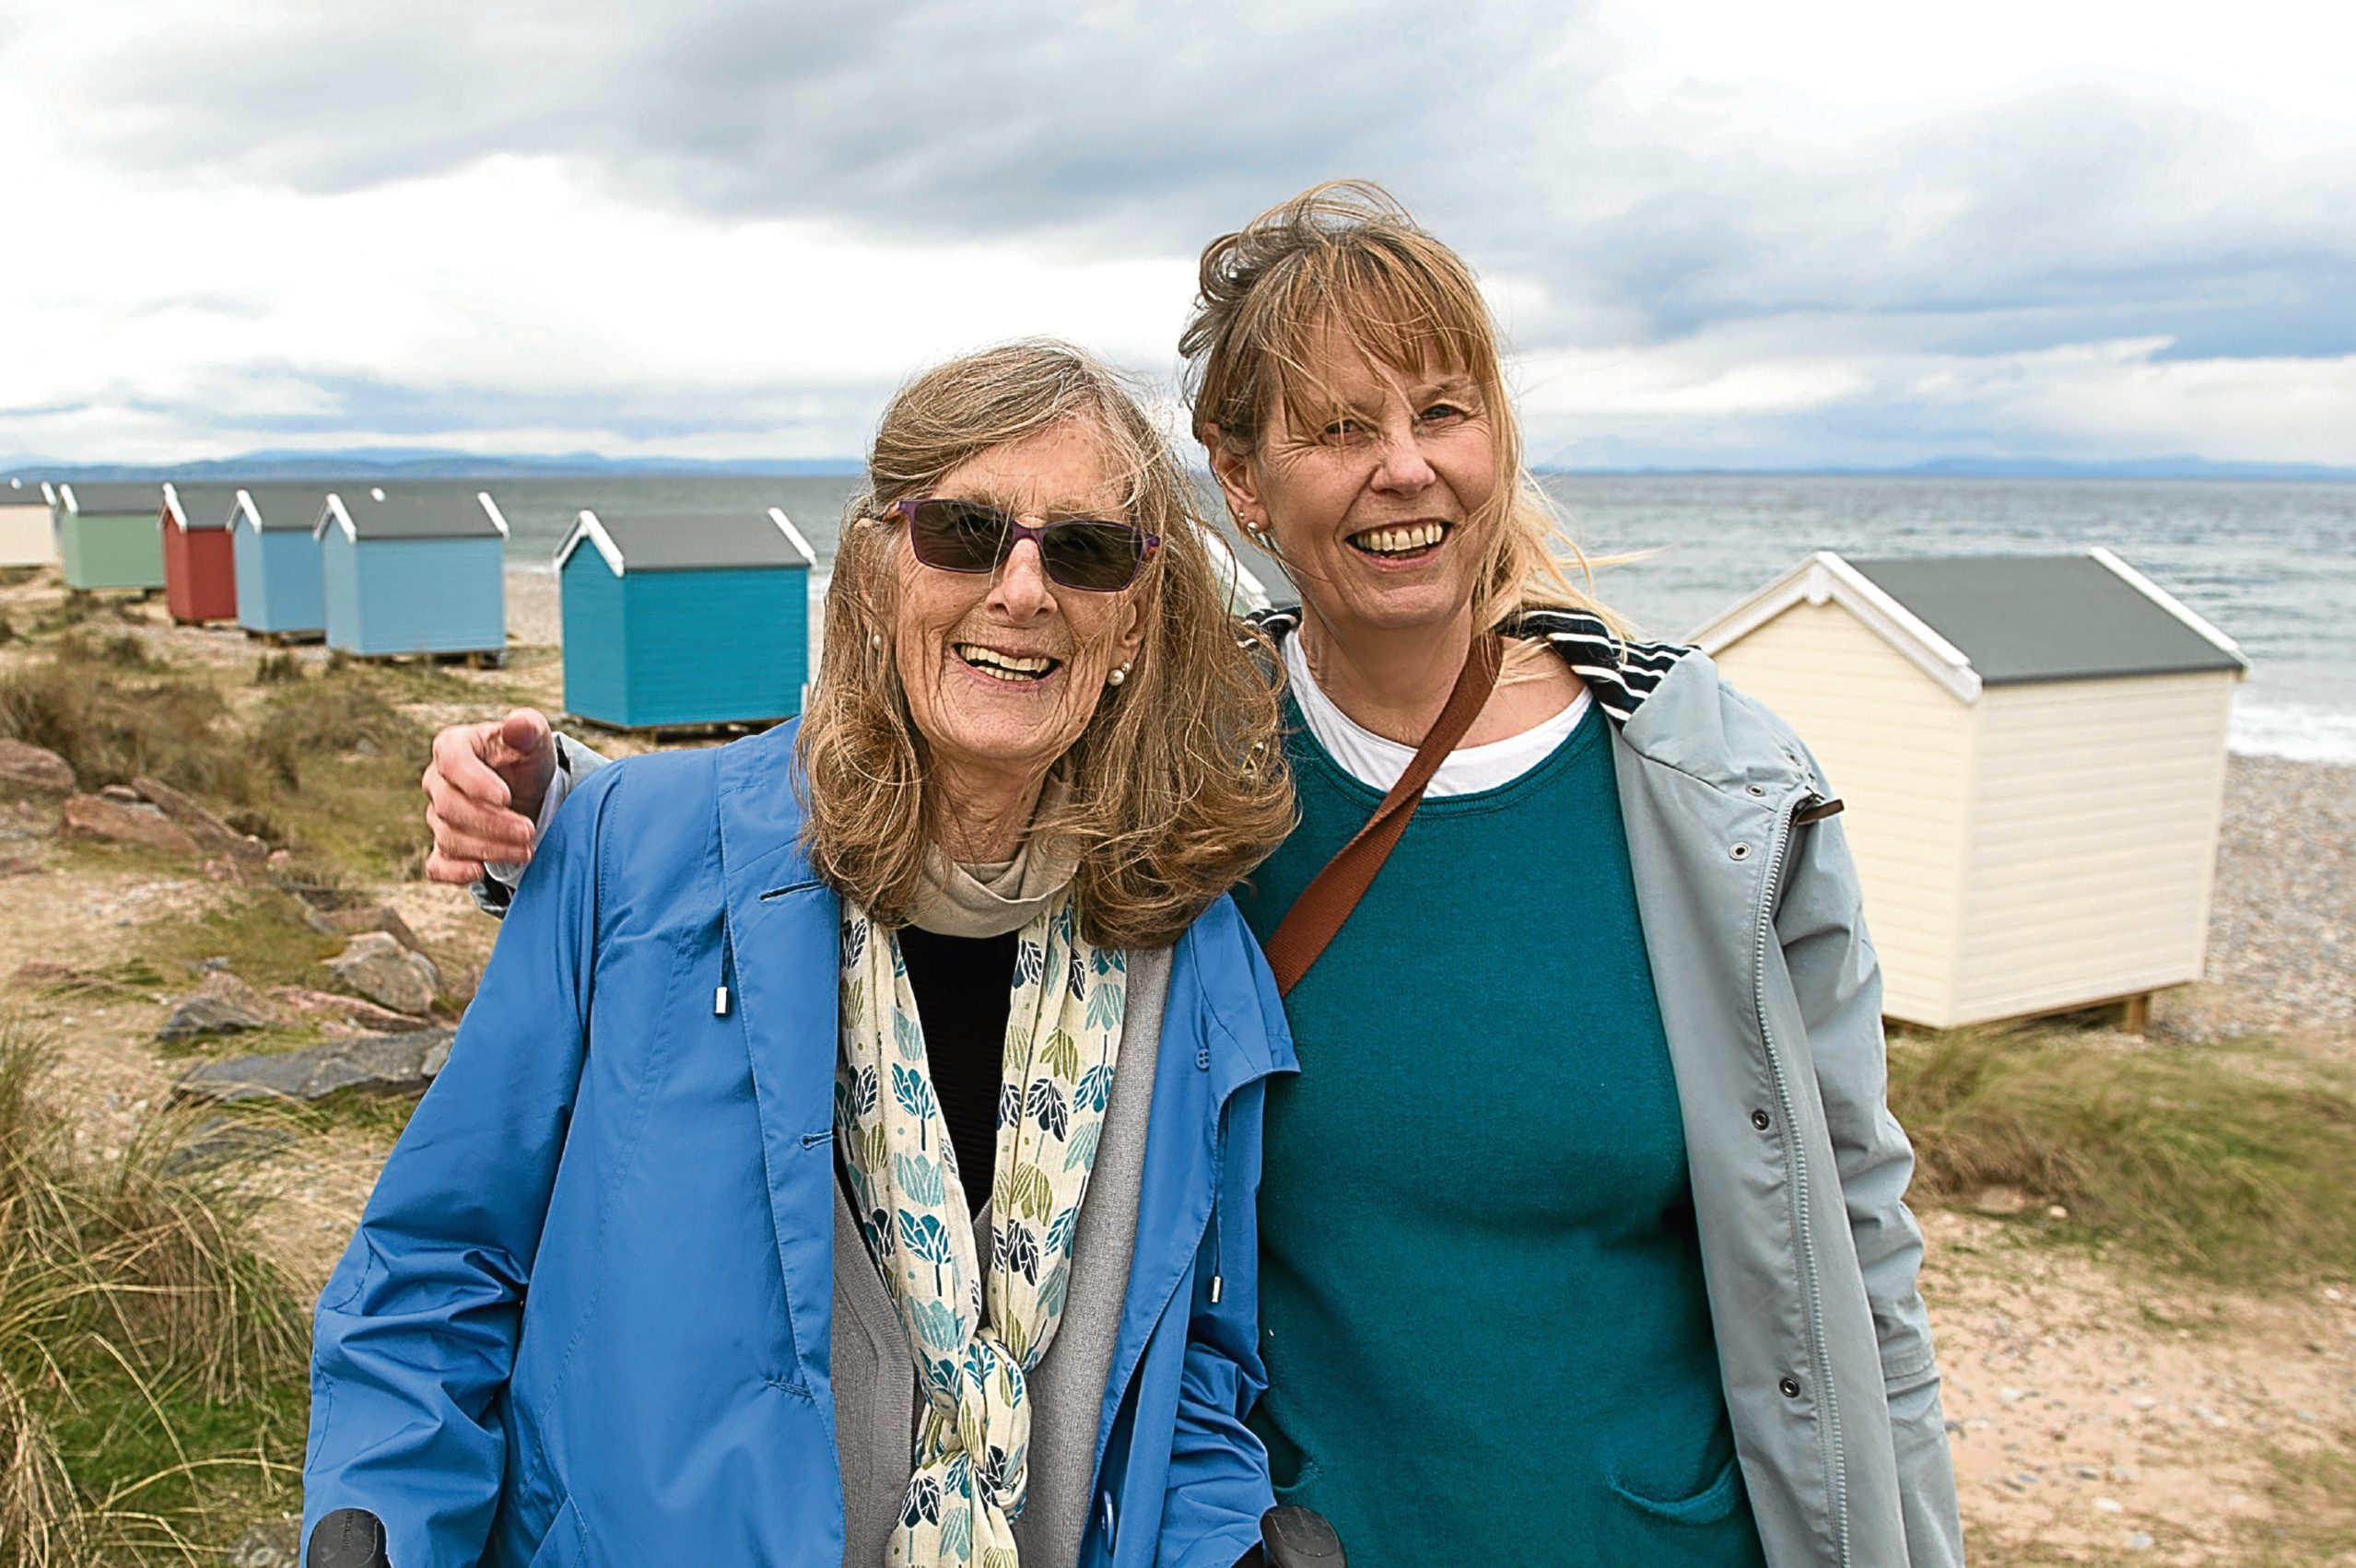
{"points": [[1664, 697], [1622, 673]]}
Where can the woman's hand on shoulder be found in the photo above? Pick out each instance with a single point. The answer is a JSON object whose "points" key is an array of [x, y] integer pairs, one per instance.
{"points": [[483, 787]]}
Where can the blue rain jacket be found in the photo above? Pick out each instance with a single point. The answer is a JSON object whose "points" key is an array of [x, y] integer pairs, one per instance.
{"points": [[585, 1317]]}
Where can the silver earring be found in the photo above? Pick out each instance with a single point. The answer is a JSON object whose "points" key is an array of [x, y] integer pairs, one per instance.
{"points": [[875, 641], [1118, 676]]}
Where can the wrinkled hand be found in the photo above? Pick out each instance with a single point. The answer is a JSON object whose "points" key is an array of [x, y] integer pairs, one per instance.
{"points": [[484, 790]]}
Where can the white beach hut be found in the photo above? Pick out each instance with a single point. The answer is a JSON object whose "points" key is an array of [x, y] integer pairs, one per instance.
{"points": [[2031, 750], [25, 538]]}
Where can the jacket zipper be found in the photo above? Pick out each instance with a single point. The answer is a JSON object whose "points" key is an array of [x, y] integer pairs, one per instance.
{"points": [[1836, 1482]]}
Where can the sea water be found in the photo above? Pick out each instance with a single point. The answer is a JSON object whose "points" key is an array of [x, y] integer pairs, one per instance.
{"points": [[2272, 566]]}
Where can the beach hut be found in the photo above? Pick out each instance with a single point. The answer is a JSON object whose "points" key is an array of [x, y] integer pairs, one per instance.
{"points": [[200, 573], [414, 572], [2032, 751], [674, 620], [24, 525], [278, 592], [108, 535]]}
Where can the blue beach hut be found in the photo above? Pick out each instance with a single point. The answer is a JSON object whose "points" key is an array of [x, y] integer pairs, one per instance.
{"points": [[684, 620], [412, 573], [278, 592]]}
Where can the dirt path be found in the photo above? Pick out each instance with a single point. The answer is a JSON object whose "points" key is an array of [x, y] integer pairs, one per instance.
{"points": [[2095, 1409]]}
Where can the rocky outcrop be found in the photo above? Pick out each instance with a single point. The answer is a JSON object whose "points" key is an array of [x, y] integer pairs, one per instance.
{"points": [[376, 917], [29, 770], [379, 967], [211, 834], [89, 816], [222, 1005], [346, 1009], [373, 1064]]}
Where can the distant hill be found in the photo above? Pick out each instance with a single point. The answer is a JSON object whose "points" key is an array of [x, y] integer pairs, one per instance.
{"points": [[429, 463]]}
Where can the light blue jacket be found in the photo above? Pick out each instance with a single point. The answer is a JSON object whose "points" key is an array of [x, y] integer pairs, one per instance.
{"points": [[585, 1319]]}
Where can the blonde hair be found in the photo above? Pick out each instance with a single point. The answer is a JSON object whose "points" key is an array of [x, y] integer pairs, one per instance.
{"points": [[1344, 260], [1175, 787]]}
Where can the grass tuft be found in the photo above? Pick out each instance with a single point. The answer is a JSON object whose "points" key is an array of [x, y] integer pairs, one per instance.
{"points": [[151, 1359], [2202, 1160]]}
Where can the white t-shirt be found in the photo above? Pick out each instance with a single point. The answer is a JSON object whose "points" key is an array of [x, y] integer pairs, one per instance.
{"points": [[1377, 762]]}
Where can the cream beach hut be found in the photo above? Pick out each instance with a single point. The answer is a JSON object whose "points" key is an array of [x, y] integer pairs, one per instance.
{"points": [[2031, 749], [25, 539]]}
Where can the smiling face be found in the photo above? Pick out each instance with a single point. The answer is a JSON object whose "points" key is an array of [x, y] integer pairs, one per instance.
{"points": [[1379, 500], [1004, 669]]}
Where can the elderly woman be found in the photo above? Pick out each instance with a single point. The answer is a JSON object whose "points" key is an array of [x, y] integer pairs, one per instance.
{"points": [[1583, 1234], [850, 1154]]}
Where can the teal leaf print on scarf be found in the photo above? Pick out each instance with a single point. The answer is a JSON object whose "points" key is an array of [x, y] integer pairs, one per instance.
{"points": [[1059, 1234], [1010, 1105], [919, 1178], [939, 1327], [923, 1503], [1052, 1293], [912, 1090], [1082, 1155], [1030, 962], [907, 1038], [1095, 1090], [1076, 981], [1045, 1106], [1103, 1007], [958, 1536], [1022, 1251]]}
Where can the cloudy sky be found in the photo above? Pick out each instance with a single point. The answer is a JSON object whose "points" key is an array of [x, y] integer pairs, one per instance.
{"points": [[1719, 234]]}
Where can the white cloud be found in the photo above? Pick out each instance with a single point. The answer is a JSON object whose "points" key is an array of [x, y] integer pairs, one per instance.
{"points": [[1835, 231]]}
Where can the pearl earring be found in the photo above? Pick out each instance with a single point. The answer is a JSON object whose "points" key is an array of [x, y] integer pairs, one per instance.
{"points": [[1118, 676], [875, 641]]}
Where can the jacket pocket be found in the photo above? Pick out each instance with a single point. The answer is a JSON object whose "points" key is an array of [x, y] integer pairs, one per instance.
{"points": [[565, 1545], [1710, 1505]]}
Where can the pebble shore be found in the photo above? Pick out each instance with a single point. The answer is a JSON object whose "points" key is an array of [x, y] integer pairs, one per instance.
{"points": [[2282, 930]]}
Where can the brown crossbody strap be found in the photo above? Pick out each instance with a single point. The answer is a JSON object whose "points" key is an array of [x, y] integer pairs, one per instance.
{"points": [[1318, 915]]}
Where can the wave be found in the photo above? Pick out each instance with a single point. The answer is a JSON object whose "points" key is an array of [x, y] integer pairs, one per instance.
{"points": [[2296, 731]]}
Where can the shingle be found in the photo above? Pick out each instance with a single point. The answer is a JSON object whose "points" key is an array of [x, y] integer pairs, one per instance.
{"points": [[2023, 618]]}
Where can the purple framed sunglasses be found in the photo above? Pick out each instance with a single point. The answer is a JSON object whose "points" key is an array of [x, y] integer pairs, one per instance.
{"points": [[1091, 554]]}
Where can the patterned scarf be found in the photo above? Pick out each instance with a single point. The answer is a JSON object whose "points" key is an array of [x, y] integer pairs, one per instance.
{"points": [[1062, 1035]]}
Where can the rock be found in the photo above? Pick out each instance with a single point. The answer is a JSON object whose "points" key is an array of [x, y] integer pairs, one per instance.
{"points": [[30, 771], [90, 816], [271, 1544], [208, 830], [217, 1140], [2001, 1199], [377, 967], [123, 795], [373, 1064], [222, 1005], [333, 1004], [377, 917]]}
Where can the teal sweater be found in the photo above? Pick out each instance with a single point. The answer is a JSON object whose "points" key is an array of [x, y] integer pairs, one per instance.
{"points": [[1480, 1293]]}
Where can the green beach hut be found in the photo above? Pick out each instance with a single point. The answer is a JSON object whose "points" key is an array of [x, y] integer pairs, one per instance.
{"points": [[112, 535]]}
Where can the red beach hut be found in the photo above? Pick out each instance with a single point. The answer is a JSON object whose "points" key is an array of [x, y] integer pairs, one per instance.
{"points": [[200, 568]]}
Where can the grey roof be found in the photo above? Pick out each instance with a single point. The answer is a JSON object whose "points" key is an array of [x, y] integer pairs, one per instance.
{"points": [[149, 498], [2023, 618], [205, 506], [288, 509], [664, 543], [411, 515], [24, 493]]}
